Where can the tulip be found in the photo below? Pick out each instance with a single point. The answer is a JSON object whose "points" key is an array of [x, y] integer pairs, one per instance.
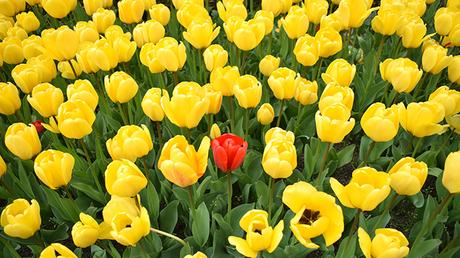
{"points": [[333, 21], [215, 99], [402, 73], [276, 6], [16, 32], [91, 6], [180, 163], [282, 83], [229, 151], [151, 104], [55, 39], [379, 123], [61, 250], [21, 219], [131, 142], [444, 21], [231, 8], [248, 91], [234, 23], [279, 159], [85, 60], [387, 242], [118, 205], [316, 214], [128, 229], [295, 24], [329, 42], [54, 168], [201, 33], [11, 50], [114, 31], [277, 133], [408, 176], [223, 78], [435, 59], [9, 98], [171, 54], [306, 92], [85, 232], [316, 9], [87, 31], [22, 140], [453, 70], [32, 2], [160, 13], [268, 64], [46, 99], [196, 255], [306, 50], [120, 87], [386, 22], [190, 12], [334, 123], [248, 35], [454, 122], [69, 69], [123, 178], [125, 49], [178, 4], [75, 119], [450, 177], [28, 21], [267, 18], [45, 66], [6, 23], [103, 55], [26, 77], [149, 58], [32, 46], [449, 99], [412, 32], [103, 19], [339, 71], [265, 114], [83, 90], [131, 11], [11, 7], [3, 166], [149, 31], [215, 56], [421, 119], [260, 235], [336, 94], [58, 8], [353, 13], [214, 132]]}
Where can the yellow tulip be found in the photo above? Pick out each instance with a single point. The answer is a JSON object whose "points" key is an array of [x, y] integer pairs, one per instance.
{"points": [[21, 219], [215, 131], [103, 55], [160, 13], [131, 142], [6, 23], [54, 168], [149, 58], [248, 34], [379, 123], [282, 83], [306, 92], [103, 19], [191, 11], [32, 46], [117, 205], [316, 214], [180, 163], [9, 98], [131, 11], [11, 50], [151, 104], [353, 13], [336, 94], [62, 43], [339, 71], [26, 77], [120, 87], [386, 22], [402, 73], [316, 9], [75, 119], [306, 50], [45, 65], [85, 59], [277, 133], [87, 31], [295, 24], [260, 235], [366, 189], [454, 122], [329, 41], [215, 99], [268, 64], [408, 176], [178, 4], [58, 8], [215, 56], [412, 31], [12, 7], [276, 6], [149, 3], [125, 49], [196, 255], [387, 242], [334, 123], [91, 6], [3, 166], [333, 21], [69, 71], [83, 90], [201, 33], [232, 24], [451, 177], [32, 2], [28, 21], [187, 105], [231, 8], [149, 31], [449, 99], [248, 91], [421, 119], [223, 78], [453, 70], [265, 114], [123, 178], [171, 54], [22, 140], [61, 250], [435, 59], [267, 18], [279, 159], [128, 229], [85, 232], [16, 32]]}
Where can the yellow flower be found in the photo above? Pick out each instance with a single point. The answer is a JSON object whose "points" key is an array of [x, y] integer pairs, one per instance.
{"points": [[125, 49], [9, 98], [231, 8], [386, 22], [232, 24], [333, 123], [28, 21], [316, 9], [412, 31], [11, 50], [58, 8], [191, 11], [160, 13], [149, 58], [131, 11], [277, 133], [32, 46], [123, 178], [268, 64], [265, 114], [84, 58], [120, 87], [248, 34], [367, 189], [201, 33], [103, 19], [329, 41], [45, 66], [223, 78], [295, 24], [148, 4], [421, 119], [131, 142], [248, 91], [353, 13], [171, 54], [408, 176], [26, 77], [87, 31], [196, 255], [444, 20], [11, 7], [306, 92], [75, 119], [151, 104], [453, 70], [22, 140], [267, 18], [306, 50], [69, 72], [387, 242], [54, 168], [276, 6], [451, 177], [449, 99], [214, 97], [260, 235], [215, 131], [454, 122], [55, 40], [339, 71], [21, 219], [178, 4], [379, 123], [336, 94], [6, 23], [91, 6], [103, 55], [61, 250], [180, 163], [16, 32], [149, 31], [435, 59], [316, 214], [215, 56], [85, 232], [83, 90], [280, 158], [402, 73], [333, 21], [3, 166], [282, 83]]}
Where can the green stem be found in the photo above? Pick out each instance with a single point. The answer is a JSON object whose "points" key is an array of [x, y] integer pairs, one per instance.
{"points": [[417, 146], [322, 166], [190, 199], [319, 68], [271, 190], [232, 114], [73, 69], [175, 78], [229, 192], [280, 113], [246, 124], [160, 232], [159, 135], [387, 209], [123, 115], [368, 153], [85, 150], [419, 87], [66, 188], [451, 244]]}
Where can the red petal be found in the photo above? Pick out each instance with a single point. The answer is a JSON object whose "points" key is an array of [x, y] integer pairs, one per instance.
{"points": [[238, 158], [220, 158]]}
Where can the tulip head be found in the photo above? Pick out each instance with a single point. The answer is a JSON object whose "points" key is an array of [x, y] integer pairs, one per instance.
{"points": [[171, 54], [191, 11], [277, 133], [379, 123], [306, 91], [55, 39], [151, 104], [316, 9], [131, 142], [28, 21], [215, 131], [453, 70], [123, 178], [279, 159], [422, 119], [85, 232], [131, 11], [231, 8], [160, 13], [282, 83], [265, 114], [46, 99], [196, 255], [69, 69], [334, 123], [306, 50], [402, 73], [201, 33], [58, 8], [248, 34], [223, 78], [435, 59], [248, 91], [103, 19], [387, 242], [267, 18], [329, 41], [295, 24], [412, 31], [21, 219], [229, 151], [11, 50], [120, 87], [75, 119], [268, 64], [149, 31], [386, 22], [450, 176], [215, 99], [9, 98], [215, 56], [408, 176], [54, 168], [83, 90], [353, 13], [22, 140], [449, 99], [339, 71], [336, 94]]}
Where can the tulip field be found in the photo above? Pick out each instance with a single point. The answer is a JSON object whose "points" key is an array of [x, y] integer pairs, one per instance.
{"points": [[230, 128]]}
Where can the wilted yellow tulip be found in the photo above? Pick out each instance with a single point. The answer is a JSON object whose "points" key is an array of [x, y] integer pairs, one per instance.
{"points": [[402, 73], [386, 22], [316, 9], [120, 87], [191, 11], [306, 50], [21, 219], [408, 176], [61, 250], [103, 19], [421, 119], [61, 43], [282, 83], [196, 255], [149, 31], [9, 98], [46, 99], [131, 142], [123, 178], [277, 133], [268, 64], [214, 98], [336, 94], [215, 131], [200, 33], [329, 41], [171, 54], [279, 159], [265, 114], [75, 119], [333, 123], [22, 140], [85, 232], [3, 166], [12, 7], [366, 189], [387, 242], [69, 69], [412, 31], [449, 99], [339, 71], [453, 70], [353, 13], [28, 21], [306, 92], [267, 18], [231, 8], [215, 56], [248, 34], [223, 78], [180, 163], [131, 11], [295, 24], [451, 177], [248, 91], [160, 13], [316, 214], [151, 104], [187, 105], [54, 168], [87, 31], [379, 123], [260, 235], [83, 90], [11, 50], [435, 59]]}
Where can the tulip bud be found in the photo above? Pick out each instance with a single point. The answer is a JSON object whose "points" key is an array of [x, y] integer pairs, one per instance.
{"points": [[444, 20], [54, 168], [353, 13], [295, 24], [32, 46], [215, 99], [234, 23], [201, 33], [103, 19], [120, 87], [45, 66], [333, 21], [329, 42], [28, 21], [125, 49], [196, 255], [123, 178], [215, 56], [58, 8], [190, 12], [17, 32], [83, 90], [421, 119], [53, 39], [306, 92], [171, 54], [279, 159], [387, 241], [2, 166], [149, 31], [214, 133], [316, 9], [11, 50], [75, 119], [339, 71], [277, 133], [151, 104], [229, 151], [231, 8], [223, 78], [267, 18], [336, 94], [46, 99], [91, 6], [9, 99], [131, 11], [379, 123], [402, 73], [61, 250], [69, 69], [248, 91], [449, 99], [435, 59], [451, 177], [408, 176], [12, 7], [85, 60], [306, 50], [334, 123], [248, 35], [412, 31], [265, 114], [103, 55], [38, 126], [85, 232], [386, 22], [282, 83], [22, 140], [160, 13], [268, 64], [26, 77], [87, 31], [131, 142], [453, 70], [128, 230], [114, 31], [21, 219]]}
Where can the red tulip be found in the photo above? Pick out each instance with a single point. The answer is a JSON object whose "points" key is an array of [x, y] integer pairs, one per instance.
{"points": [[228, 151], [38, 126]]}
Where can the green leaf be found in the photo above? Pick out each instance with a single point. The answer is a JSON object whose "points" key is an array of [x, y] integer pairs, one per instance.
{"points": [[151, 201], [423, 248], [55, 235], [345, 155], [90, 191], [200, 225], [168, 217], [418, 200]]}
